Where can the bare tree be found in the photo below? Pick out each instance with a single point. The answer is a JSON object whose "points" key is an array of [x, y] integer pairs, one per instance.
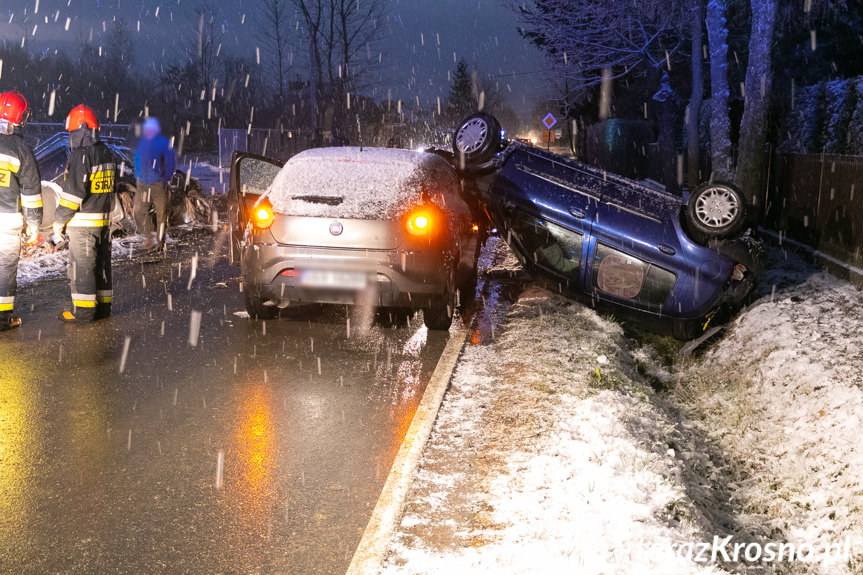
{"points": [[357, 30], [339, 34], [693, 116], [204, 49], [273, 31], [720, 122], [593, 42], [311, 14], [586, 38], [759, 79]]}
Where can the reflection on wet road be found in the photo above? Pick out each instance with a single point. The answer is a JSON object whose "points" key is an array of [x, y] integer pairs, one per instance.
{"points": [[262, 449]]}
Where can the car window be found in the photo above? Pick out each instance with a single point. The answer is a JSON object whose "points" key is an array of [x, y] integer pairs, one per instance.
{"points": [[549, 245], [624, 276], [256, 175]]}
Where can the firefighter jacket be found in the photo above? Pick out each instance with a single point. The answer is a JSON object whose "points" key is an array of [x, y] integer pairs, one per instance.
{"points": [[87, 195], [20, 183]]}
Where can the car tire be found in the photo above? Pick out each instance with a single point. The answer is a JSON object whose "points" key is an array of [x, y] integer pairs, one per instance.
{"points": [[439, 316], [715, 211], [476, 141], [255, 304], [478, 170], [467, 291]]}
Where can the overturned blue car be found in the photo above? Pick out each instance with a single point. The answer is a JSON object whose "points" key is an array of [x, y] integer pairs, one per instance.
{"points": [[682, 264]]}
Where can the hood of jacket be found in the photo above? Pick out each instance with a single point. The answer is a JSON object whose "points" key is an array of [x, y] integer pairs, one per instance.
{"points": [[83, 137]]}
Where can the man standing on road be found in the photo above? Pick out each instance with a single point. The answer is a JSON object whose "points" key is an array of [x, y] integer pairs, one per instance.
{"points": [[154, 167], [20, 191], [84, 209]]}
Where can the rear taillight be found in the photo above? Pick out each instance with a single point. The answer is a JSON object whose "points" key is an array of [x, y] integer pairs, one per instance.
{"points": [[422, 221], [262, 216]]}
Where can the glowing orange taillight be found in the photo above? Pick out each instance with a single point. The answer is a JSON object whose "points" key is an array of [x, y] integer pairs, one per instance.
{"points": [[262, 217], [420, 222]]}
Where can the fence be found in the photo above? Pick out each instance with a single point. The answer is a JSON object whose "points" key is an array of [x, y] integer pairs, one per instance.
{"points": [[817, 199], [277, 144], [37, 132]]}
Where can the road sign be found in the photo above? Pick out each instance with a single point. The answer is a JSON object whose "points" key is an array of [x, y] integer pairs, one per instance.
{"points": [[549, 121]]}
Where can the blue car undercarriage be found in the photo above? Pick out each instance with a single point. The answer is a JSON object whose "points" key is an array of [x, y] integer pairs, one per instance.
{"points": [[675, 264]]}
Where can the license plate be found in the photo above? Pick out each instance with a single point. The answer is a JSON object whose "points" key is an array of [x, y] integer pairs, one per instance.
{"points": [[333, 279]]}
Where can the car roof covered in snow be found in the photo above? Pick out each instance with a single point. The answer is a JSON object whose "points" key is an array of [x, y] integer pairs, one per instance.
{"points": [[363, 183]]}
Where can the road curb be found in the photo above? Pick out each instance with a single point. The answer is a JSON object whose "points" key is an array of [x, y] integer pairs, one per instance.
{"points": [[369, 556]]}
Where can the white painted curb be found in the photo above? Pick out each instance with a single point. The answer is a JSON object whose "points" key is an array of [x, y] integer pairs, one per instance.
{"points": [[387, 514]]}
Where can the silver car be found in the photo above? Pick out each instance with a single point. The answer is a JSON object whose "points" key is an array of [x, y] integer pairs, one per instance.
{"points": [[365, 226]]}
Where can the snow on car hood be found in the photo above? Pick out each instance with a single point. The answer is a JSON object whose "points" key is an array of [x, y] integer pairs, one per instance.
{"points": [[362, 183]]}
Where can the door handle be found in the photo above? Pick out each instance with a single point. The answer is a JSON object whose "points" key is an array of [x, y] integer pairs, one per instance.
{"points": [[580, 214]]}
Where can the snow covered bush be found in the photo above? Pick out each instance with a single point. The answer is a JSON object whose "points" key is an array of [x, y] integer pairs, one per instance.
{"points": [[839, 106], [855, 127], [801, 126], [826, 117]]}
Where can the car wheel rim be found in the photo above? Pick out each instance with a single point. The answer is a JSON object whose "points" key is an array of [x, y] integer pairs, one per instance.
{"points": [[717, 207], [472, 135]]}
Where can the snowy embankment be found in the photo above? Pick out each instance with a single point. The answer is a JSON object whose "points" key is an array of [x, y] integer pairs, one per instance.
{"points": [[782, 394], [553, 453], [549, 456]]}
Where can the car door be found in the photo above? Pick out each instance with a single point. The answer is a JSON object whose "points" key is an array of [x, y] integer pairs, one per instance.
{"points": [[634, 258], [251, 176], [549, 207]]}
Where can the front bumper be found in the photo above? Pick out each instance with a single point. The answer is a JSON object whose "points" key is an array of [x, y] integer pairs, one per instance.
{"points": [[393, 278]]}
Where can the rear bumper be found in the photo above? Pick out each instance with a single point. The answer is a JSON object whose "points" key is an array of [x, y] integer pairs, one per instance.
{"points": [[394, 278]]}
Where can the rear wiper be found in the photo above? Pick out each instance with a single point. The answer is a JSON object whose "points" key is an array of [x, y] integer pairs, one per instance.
{"points": [[328, 200]]}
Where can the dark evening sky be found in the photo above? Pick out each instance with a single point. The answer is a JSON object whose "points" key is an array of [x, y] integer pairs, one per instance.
{"points": [[421, 38]]}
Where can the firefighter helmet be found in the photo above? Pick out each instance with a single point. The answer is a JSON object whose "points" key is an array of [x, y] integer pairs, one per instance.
{"points": [[13, 108], [81, 116]]}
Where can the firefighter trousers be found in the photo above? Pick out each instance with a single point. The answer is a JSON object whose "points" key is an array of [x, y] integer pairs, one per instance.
{"points": [[90, 271], [10, 248]]}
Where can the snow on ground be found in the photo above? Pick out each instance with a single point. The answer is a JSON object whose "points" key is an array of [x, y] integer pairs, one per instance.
{"points": [[49, 265], [552, 452], [214, 181], [548, 456], [783, 394]]}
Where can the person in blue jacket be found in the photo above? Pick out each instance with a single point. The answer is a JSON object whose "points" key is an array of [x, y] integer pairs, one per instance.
{"points": [[154, 167]]}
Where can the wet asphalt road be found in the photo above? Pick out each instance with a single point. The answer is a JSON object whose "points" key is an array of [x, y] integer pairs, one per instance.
{"points": [[104, 471]]}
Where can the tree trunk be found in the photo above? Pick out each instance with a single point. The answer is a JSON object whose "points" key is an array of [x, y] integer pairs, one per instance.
{"points": [[693, 175], [315, 88], [753, 125], [665, 99], [720, 122]]}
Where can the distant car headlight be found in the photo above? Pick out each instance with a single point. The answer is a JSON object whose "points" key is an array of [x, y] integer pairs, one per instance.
{"points": [[262, 216]]}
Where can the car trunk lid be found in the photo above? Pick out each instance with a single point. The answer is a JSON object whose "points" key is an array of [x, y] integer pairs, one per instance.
{"points": [[337, 233]]}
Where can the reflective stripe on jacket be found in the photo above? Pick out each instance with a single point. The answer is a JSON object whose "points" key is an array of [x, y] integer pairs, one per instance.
{"points": [[89, 182], [20, 183]]}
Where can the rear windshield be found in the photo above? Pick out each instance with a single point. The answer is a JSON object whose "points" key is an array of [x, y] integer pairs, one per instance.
{"points": [[368, 184]]}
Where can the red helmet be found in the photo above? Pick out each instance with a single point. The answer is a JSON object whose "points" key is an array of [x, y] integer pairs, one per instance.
{"points": [[13, 108], [81, 116]]}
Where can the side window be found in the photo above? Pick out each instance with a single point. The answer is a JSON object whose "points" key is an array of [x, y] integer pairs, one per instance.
{"points": [[626, 277], [256, 175], [548, 245]]}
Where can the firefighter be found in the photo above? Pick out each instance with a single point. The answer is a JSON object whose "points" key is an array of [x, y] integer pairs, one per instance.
{"points": [[84, 212], [20, 192]]}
